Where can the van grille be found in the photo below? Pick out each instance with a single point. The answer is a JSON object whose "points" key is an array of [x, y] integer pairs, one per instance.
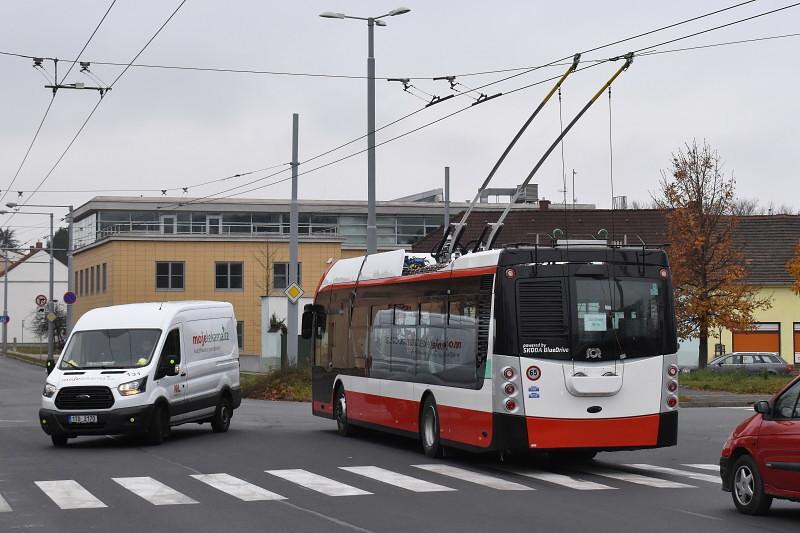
{"points": [[541, 311], [74, 398]]}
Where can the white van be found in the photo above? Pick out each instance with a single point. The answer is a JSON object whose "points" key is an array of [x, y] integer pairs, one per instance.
{"points": [[142, 368]]}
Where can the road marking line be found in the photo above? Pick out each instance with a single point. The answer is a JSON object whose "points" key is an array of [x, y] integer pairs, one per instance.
{"points": [[713, 468], [393, 478], [564, 481], [153, 491], [473, 477], [317, 483], [4, 507], [236, 487], [69, 494], [676, 472], [637, 479]]}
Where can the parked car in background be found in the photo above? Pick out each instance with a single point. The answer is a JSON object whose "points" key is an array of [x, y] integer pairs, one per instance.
{"points": [[761, 458], [750, 362]]}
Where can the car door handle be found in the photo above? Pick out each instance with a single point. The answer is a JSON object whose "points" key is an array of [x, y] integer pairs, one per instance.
{"points": [[183, 375]]}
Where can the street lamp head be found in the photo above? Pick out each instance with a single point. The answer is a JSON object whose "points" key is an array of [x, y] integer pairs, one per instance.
{"points": [[379, 23], [331, 15], [399, 11], [12, 205], [3, 212]]}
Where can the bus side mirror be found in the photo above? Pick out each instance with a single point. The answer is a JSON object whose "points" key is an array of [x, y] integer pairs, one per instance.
{"points": [[307, 325]]}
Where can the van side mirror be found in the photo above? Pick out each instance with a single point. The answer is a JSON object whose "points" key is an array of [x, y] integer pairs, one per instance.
{"points": [[51, 364], [762, 407], [169, 367]]}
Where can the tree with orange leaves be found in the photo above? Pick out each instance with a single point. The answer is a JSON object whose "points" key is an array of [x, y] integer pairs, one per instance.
{"points": [[793, 268], [708, 272]]}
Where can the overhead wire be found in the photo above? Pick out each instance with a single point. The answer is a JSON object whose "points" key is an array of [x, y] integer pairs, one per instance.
{"points": [[94, 109], [97, 27]]}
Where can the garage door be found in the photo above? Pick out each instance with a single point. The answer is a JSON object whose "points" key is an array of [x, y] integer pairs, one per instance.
{"points": [[797, 342], [764, 337]]}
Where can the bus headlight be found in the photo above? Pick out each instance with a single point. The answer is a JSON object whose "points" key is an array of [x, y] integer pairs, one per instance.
{"points": [[49, 390], [132, 388]]}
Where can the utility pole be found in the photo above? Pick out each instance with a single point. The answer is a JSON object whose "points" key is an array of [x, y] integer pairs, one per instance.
{"points": [[51, 305], [5, 302], [291, 316], [70, 273], [372, 228], [446, 198]]}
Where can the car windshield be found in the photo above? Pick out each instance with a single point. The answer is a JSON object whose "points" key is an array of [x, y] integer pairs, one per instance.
{"points": [[110, 348], [620, 316]]}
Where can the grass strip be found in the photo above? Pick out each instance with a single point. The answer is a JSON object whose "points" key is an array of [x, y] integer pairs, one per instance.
{"points": [[292, 385], [735, 382]]}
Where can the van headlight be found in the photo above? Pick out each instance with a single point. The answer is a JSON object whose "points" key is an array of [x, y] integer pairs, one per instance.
{"points": [[49, 390], [132, 388]]}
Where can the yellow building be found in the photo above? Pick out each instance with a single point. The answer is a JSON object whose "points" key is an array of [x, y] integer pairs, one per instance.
{"points": [[240, 270]]}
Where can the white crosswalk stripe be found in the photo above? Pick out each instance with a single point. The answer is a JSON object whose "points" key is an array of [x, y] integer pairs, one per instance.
{"points": [[153, 491], [564, 481], [238, 488], [4, 507], [677, 472], [69, 494], [317, 483], [398, 480], [713, 468], [473, 477], [637, 479]]}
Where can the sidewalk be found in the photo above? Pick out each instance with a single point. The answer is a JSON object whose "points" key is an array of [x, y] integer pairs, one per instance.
{"points": [[707, 398]]}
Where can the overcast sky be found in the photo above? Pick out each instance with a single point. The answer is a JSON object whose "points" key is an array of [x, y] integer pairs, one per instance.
{"points": [[165, 128]]}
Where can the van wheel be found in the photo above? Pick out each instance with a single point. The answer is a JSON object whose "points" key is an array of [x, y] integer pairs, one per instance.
{"points": [[429, 429], [222, 416], [159, 426], [59, 441], [748, 488], [343, 427]]}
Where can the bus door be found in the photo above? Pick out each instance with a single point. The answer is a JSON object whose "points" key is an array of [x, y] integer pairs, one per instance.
{"points": [[322, 377]]}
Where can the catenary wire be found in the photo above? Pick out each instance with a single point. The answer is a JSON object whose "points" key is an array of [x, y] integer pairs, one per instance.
{"points": [[88, 41]]}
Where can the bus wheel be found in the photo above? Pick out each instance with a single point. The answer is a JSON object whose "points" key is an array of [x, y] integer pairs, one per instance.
{"points": [[429, 429], [343, 427]]}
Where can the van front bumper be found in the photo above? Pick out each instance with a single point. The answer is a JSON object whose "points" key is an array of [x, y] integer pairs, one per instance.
{"points": [[130, 420]]}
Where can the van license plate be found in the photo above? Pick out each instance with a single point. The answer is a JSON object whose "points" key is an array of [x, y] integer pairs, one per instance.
{"points": [[82, 419]]}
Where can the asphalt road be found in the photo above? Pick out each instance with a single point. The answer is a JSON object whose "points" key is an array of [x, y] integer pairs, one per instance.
{"points": [[117, 482]]}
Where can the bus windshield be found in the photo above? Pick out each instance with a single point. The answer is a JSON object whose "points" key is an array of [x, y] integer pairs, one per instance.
{"points": [[618, 317], [110, 348]]}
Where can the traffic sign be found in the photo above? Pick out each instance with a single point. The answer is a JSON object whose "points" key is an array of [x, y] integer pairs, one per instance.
{"points": [[294, 292], [51, 317], [70, 297], [41, 300], [5, 319]]}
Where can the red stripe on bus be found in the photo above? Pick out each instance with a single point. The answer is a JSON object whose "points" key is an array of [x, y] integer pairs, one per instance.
{"points": [[576, 433], [465, 426], [465, 273], [381, 410]]}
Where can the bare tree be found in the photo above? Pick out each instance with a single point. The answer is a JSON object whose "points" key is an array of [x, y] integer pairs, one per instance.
{"points": [[265, 258]]}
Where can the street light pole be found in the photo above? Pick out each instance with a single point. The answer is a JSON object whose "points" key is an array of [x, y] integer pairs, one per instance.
{"points": [[70, 273], [372, 228], [50, 304]]}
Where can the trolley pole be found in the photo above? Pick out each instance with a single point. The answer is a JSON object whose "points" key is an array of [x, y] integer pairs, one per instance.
{"points": [[291, 315], [446, 198], [5, 302]]}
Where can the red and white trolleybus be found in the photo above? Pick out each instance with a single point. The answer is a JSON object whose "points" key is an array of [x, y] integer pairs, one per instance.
{"points": [[569, 347]]}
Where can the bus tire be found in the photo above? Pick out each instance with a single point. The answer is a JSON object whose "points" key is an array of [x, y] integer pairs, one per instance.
{"points": [[343, 427], [429, 429]]}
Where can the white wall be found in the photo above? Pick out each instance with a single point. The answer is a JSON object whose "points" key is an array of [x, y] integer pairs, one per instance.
{"points": [[278, 305], [25, 281]]}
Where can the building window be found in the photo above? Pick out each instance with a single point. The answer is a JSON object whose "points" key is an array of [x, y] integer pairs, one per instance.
{"points": [[229, 276], [169, 276], [78, 283], [105, 278], [97, 278], [91, 280], [240, 333], [280, 275]]}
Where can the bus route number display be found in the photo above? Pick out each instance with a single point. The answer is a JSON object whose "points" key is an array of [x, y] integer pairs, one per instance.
{"points": [[533, 373]]}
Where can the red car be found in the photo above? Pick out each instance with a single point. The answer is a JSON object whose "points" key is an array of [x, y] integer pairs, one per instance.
{"points": [[761, 458]]}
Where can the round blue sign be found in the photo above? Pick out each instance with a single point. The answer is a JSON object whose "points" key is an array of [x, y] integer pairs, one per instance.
{"points": [[5, 319], [70, 297]]}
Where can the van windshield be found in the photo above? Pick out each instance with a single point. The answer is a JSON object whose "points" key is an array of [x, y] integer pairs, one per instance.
{"points": [[110, 348]]}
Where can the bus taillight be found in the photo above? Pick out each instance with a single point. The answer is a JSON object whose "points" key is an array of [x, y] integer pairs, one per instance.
{"points": [[509, 389], [672, 402], [508, 373], [672, 386], [672, 370], [510, 405]]}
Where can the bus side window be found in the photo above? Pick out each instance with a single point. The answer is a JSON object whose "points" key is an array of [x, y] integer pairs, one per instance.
{"points": [[404, 339], [432, 324], [380, 341], [338, 318], [359, 333], [462, 332]]}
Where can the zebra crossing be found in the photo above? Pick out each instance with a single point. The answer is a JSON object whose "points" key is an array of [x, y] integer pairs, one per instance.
{"points": [[69, 494]]}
